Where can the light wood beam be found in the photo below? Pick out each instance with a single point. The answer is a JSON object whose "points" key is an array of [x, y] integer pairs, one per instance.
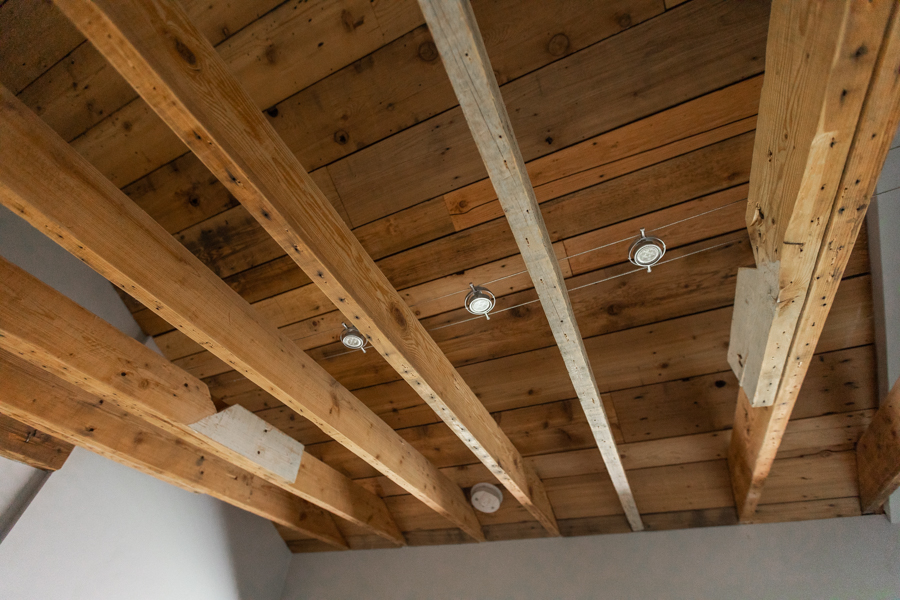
{"points": [[43, 401], [819, 61], [48, 184], [179, 74], [459, 42], [758, 430], [25, 444], [55, 334], [878, 454]]}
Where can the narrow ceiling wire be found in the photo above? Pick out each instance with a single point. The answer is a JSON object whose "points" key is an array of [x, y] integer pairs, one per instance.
{"points": [[580, 287]]}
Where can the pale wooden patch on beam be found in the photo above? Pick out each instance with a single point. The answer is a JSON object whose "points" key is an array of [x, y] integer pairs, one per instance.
{"points": [[243, 432], [41, 400], [452, 24]]}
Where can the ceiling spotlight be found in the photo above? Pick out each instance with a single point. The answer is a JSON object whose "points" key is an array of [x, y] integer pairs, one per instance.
{"points": [[486, 497], [646, 251], [352, 338], [480, 301]]}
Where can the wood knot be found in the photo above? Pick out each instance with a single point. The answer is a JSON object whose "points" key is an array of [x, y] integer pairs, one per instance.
{"points": [[350, 24], [341, 137], [624, 21], [398, 315], [559, 44], [428, 51], [186, 54]]}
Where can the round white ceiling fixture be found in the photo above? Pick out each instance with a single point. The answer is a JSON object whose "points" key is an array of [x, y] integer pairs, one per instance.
{"points": [[486, 497], [646, 251], [480, 301], [352, 338]]}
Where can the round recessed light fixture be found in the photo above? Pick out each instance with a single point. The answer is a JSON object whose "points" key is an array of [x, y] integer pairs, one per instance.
{"points": [[646, 251], [352, 338], [480, 301], [486, 497]]}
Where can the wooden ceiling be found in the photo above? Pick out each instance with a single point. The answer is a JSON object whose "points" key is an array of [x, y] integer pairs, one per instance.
{"points": [[630, 114]]}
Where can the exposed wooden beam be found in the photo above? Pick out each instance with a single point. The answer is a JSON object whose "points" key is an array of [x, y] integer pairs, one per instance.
{"points": [[48, 184], [191, 88], [878, 454], [41, 400], [458, 39], [55, 334], [819, 61], [25, 444], [828, 223]]}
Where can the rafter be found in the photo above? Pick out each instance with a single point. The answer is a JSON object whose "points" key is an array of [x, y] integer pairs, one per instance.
{"points": [[830, 105], [48, 184], [878, 454], [54, 333], [190, 87], [43, 401], [456, 35], [34, 448]]}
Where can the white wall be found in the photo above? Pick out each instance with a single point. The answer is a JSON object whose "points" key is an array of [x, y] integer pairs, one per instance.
{"points": [[853, 558], [99, 530]]}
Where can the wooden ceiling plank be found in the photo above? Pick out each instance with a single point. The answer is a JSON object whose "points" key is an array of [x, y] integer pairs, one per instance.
{"points": [[878, 454], [198, 97], [44, 401], [25, 444], [55, 334], [48, 184], [459, 42], [758, 430]]}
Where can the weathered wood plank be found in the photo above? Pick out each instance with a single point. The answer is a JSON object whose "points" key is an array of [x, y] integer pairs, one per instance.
{"points": [[760, 429], [878, 454], [34, 448], [204, 108], [42, 400]]}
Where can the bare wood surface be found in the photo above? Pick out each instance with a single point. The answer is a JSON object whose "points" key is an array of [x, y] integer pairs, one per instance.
{"points": [[53, 333], [42, 400], [459, 42], [878, 454], [197, 96], [758, 431], [34, 448], [40, 179]]}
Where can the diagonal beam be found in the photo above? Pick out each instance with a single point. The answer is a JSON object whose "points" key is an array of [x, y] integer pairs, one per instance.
{"points": [[25, 444], [878, 454], [860, 38], [43, 401], [456, 35], [43, 180], [57, 335], [179, 74]]}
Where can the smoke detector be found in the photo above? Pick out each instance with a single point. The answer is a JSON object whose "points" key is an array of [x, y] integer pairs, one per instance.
{"points": [[486, 497], [352, 338], [480, 301], [646, 251]]}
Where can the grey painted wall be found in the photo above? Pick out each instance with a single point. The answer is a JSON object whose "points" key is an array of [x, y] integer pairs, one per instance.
{"points": [[840, 559], [98, 530]]}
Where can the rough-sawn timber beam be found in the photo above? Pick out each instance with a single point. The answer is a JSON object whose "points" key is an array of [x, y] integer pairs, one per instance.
{"points": [[27, 445], [41, 400], [458, 39], [181, 76], [829, 109], [878, 454], [43, 180], [54, 333]]}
